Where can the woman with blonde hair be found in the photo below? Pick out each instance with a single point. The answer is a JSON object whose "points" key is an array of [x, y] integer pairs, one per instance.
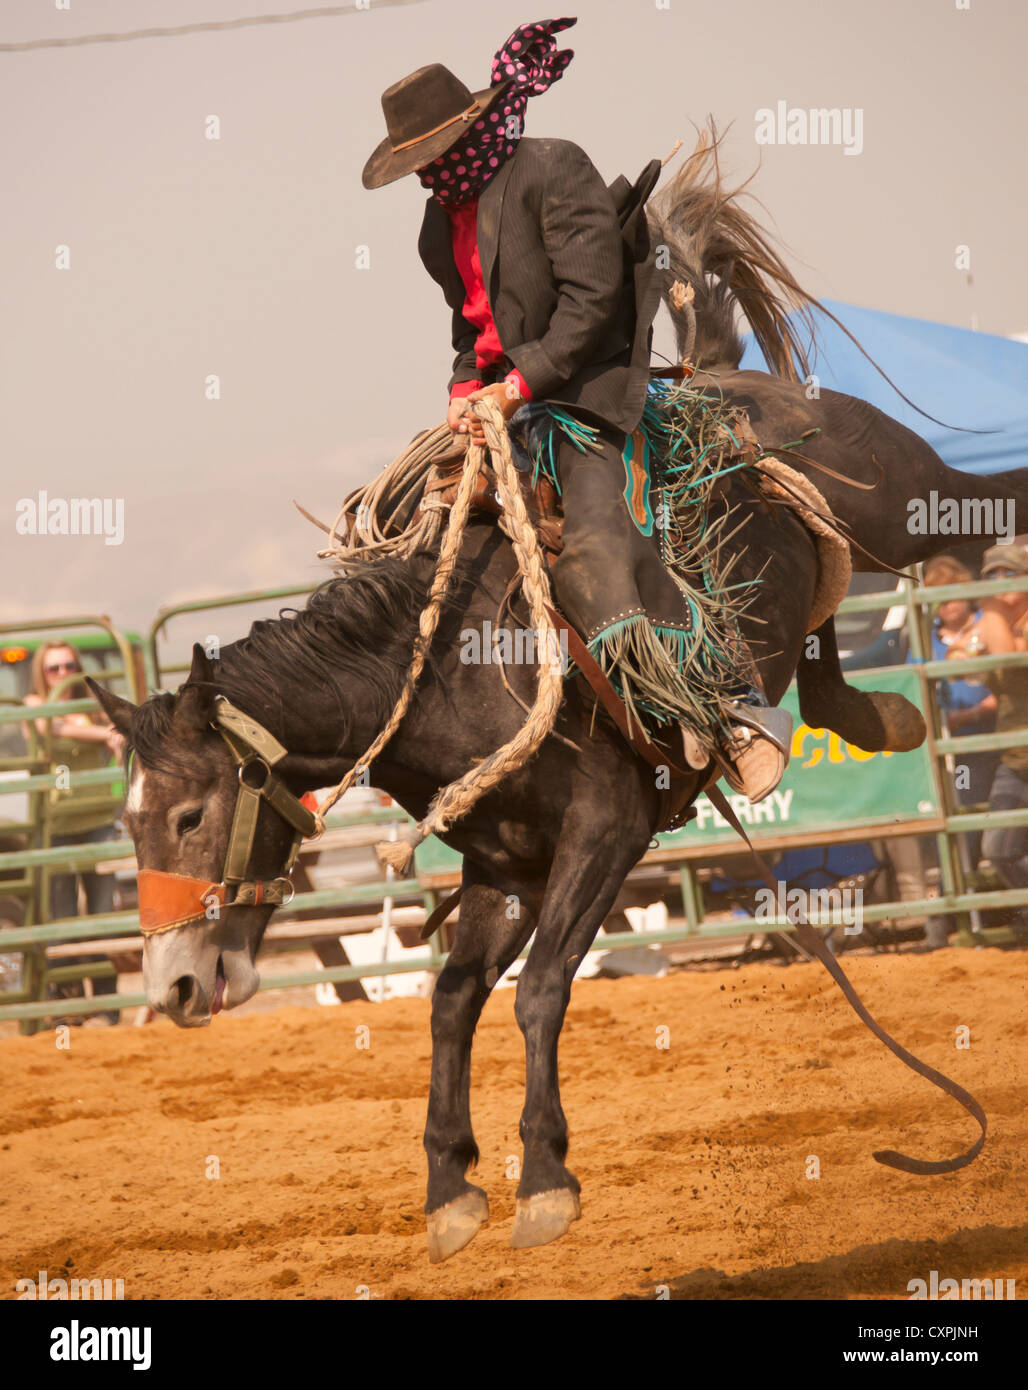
{"points": [[79, 742]]}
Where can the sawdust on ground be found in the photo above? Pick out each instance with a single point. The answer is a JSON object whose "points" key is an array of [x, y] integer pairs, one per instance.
{"points": [[693, 1157]]}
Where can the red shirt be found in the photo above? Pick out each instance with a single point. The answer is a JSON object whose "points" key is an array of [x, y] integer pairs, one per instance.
{"points": [[464, 233]]}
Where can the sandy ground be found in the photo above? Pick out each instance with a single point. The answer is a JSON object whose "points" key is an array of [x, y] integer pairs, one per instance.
{"points": [[692, 1158]]}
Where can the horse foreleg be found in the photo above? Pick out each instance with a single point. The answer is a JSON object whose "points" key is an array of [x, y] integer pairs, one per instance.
{"points": [[588, 872], [874, 720], [489, 938]]}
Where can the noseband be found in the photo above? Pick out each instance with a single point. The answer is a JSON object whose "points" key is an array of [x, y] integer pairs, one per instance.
{"points": [[167, 900]]}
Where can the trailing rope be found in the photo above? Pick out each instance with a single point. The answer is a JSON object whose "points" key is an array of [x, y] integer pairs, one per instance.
{"points": [[371, 528], [454, 802]]}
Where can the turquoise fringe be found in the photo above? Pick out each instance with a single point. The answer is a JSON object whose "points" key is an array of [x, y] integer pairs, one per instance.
{"points": [[668, 675]]}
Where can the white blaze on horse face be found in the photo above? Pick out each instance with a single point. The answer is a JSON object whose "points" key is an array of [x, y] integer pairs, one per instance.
{"points": [[134, 800]]}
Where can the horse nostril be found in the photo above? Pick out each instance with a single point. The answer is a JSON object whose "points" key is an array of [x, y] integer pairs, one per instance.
{"points": [[181, 993]]}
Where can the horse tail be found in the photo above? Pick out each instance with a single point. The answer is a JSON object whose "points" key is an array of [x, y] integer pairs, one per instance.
{"points": [[717, 250], [722, 261]]}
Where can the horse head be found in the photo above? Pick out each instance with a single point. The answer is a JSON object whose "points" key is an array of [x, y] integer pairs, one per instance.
{"points": [[202, 926]]}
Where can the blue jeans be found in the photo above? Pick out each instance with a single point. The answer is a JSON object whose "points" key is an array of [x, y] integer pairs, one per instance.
{"points": [[1008, 849]]}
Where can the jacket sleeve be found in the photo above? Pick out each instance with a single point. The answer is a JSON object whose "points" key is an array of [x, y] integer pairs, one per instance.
{"points": [[464, 363], [582, 239]]}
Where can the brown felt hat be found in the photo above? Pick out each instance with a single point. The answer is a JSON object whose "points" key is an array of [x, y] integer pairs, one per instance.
{"points": [[425, 114], [1007, 557]]}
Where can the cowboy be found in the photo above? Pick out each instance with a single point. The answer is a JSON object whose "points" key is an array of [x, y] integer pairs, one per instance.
{"points": [[551, 287]]}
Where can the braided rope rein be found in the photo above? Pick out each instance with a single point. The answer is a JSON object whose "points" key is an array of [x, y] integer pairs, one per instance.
{"points": [[453, 802]]}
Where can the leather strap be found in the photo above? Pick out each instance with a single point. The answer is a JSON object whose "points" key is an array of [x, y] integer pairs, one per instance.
{"points": [[170, 900], [250, 742], [608, 697], [240, 839], [465, 115], [244, 735], [813, 942]]}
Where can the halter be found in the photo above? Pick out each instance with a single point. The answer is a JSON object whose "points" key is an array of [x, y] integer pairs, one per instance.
{"points": [[167, 900]]}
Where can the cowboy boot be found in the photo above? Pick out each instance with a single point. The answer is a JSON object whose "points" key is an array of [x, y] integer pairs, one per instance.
{"points": [[757, 753]]}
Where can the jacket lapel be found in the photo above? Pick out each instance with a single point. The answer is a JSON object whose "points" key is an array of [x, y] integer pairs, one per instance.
{"points": [[434, 239], [490, 209]]}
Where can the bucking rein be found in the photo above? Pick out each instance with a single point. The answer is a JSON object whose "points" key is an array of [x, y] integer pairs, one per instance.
{"points": [[171, 900]]}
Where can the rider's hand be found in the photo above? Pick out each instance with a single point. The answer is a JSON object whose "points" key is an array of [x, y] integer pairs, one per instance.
{"points": [[503, 394], [455, 415]]}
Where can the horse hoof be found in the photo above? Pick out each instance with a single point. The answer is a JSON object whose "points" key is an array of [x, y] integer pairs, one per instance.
{"points": [[450, 1228], [544, 1217], [903, 723]]}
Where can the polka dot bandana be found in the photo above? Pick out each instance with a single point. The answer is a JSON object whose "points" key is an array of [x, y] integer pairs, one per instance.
{"points": [[531, 57]]}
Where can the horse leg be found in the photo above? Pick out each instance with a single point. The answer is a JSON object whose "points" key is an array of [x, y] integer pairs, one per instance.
{"points": [[871, 719], [586, 878], [854, 438], [488, 940]]}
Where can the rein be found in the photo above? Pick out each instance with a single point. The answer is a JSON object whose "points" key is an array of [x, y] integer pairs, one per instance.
{"points": [[168, 900], [812, 941]]}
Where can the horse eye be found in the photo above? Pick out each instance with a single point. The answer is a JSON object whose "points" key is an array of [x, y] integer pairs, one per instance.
{"points": [[189, 821]]}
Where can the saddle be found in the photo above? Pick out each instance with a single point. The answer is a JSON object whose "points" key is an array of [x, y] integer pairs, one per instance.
{"points": [[540, 498]]}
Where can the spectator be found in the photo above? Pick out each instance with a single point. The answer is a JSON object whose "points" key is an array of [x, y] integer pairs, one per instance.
{"points": [[80, 742], [960, 630], [1008, 617]]}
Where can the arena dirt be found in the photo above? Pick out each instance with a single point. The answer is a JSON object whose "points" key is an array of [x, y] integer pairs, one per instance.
{"points": [[692, 1158]]}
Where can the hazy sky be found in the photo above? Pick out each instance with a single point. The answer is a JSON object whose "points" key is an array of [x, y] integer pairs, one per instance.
{"points": [[237, 257]]}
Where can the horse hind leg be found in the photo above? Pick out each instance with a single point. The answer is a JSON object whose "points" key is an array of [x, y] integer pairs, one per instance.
{"points": [[488, 940], [875, 720]]}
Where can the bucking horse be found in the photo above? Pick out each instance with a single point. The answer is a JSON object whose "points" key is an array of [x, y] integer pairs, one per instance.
{"points": [[216, 769]]}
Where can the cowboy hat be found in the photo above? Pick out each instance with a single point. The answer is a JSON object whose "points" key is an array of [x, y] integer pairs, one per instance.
{"points": [[425, 114], [1012, 556]]}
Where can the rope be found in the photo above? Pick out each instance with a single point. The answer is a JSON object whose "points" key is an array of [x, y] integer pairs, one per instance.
{"points": [[371, 530], [454, 802], [834, 565]]}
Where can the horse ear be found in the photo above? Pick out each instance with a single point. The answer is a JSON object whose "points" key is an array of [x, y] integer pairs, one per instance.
{"points": [[195, 704], [202, 669], [117, 710]]}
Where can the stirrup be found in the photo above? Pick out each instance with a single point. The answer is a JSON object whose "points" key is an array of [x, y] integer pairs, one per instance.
{"points": [[767, 721]]}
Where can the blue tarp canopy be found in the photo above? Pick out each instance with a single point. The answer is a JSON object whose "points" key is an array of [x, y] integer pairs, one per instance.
{"points": [[965, 378]]}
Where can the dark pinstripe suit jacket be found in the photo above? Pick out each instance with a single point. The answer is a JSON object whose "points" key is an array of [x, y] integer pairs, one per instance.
{"points": [[567, 270]]}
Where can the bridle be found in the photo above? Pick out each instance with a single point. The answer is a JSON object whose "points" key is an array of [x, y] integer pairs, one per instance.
{"points": [[168, 900]]}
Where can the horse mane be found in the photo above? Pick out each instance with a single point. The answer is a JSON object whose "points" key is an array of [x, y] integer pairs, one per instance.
{"points": [[717, 249], [360, 624]]}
